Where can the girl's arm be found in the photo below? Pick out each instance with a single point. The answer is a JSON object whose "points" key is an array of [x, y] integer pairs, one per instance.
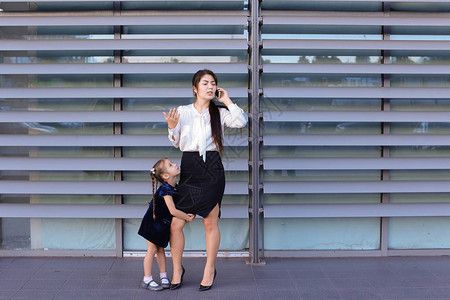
{"points": [[176, 212]]}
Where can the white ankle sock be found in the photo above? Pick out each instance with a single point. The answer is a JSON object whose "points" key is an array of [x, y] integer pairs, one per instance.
{"points": [[148, 279]]}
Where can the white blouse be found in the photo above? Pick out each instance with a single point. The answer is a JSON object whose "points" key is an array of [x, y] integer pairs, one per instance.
{"points": [[193, 131]]}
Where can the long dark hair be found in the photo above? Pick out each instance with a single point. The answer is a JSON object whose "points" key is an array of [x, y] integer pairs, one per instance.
{"points": [[156, 176], [216, 125]]}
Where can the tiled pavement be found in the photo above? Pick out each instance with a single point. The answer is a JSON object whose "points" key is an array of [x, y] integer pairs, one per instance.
{"points": [[290, 278]]}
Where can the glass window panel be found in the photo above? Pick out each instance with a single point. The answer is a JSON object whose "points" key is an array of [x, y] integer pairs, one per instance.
{"points": [[420, 151], [185, 29], [420, 57], [56, 104], [325, 80], [296, 128], [426, 6], [57, 151], [303, 151], [187, 55], [23, 57], [420, 128], [419, 175], [320, 198], [56, 32], [184, 5], [57, 175], [420, 104], [309, 59], [62, 6], [57, 234], [277, 105], [320, 29], [56, 128], [56, 80], [180, 80], [326, 175], [322, 234], [321, 5], [419, 233], [420, 80]]}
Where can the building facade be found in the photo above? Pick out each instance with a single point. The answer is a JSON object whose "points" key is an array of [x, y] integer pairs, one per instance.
{"points": [[347, 150]]}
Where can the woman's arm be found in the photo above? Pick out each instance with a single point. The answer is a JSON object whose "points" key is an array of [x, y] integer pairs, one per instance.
{"points": [[234, 116], [173, 125], [176, 212]]}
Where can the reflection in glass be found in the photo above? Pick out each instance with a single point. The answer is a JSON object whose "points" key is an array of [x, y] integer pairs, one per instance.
{"points": [[420, 104], [296, 128], [420, 128], [325, 80], [320, 151], [276, 106], [56, 128], [57, 151], [420, 80]]}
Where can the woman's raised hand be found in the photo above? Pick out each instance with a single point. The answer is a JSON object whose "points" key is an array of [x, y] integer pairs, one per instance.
{"points": [[224, 98], [172, 118]]}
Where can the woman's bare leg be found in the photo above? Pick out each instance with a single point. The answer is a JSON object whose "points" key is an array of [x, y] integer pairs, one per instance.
{"points": [[177, 247], [212, 231]]}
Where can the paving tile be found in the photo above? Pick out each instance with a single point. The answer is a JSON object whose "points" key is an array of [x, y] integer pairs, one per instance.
{"points": [[43, 285], [275, 284], [324, 283], [116, 294], [75, 295], [51, 274], [97, 263], [238, 295], [229, 283], [62, 263], [398, 293], [118, 284], [277, 294], [264, 273], [442, 293], [11, 285], [35, 295], [4, 295], [307, 274], [19, 274], [319, 293], [359, 293], [159, 295], [351, 283], [88, 274], [82, 285]]}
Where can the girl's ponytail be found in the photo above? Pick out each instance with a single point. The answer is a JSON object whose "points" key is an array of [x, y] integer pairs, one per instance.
{"points": [[155, 176]]}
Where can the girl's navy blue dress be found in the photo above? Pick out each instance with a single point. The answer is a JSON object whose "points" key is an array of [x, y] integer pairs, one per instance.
{"points": [[158, 231]]}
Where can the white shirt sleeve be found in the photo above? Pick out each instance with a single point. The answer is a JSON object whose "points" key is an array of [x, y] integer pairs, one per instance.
{"points": [[174, 134], [234, 117]]}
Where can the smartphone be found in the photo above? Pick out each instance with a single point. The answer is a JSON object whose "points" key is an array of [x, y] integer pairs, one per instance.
{"points": [[217, 94]]}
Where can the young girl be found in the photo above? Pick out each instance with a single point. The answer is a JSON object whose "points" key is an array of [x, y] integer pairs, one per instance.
{"points": [[155, 226]]}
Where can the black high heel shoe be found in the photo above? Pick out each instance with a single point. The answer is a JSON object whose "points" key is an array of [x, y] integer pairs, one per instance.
{"points": [[207, 287], [178, 285]]}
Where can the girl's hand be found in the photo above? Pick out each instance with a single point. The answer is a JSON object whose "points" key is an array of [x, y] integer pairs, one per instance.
{"points": [[172, 118], [224, 98], [190, 218]]}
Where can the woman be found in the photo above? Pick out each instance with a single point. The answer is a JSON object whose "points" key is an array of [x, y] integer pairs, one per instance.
{"points": [[197, 129]]}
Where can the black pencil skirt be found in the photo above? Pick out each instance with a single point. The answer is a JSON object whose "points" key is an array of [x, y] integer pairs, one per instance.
{"points": [[201, 183]]}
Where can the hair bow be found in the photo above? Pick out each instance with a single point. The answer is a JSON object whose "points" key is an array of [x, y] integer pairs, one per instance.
{"points": [[153, 171]]}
